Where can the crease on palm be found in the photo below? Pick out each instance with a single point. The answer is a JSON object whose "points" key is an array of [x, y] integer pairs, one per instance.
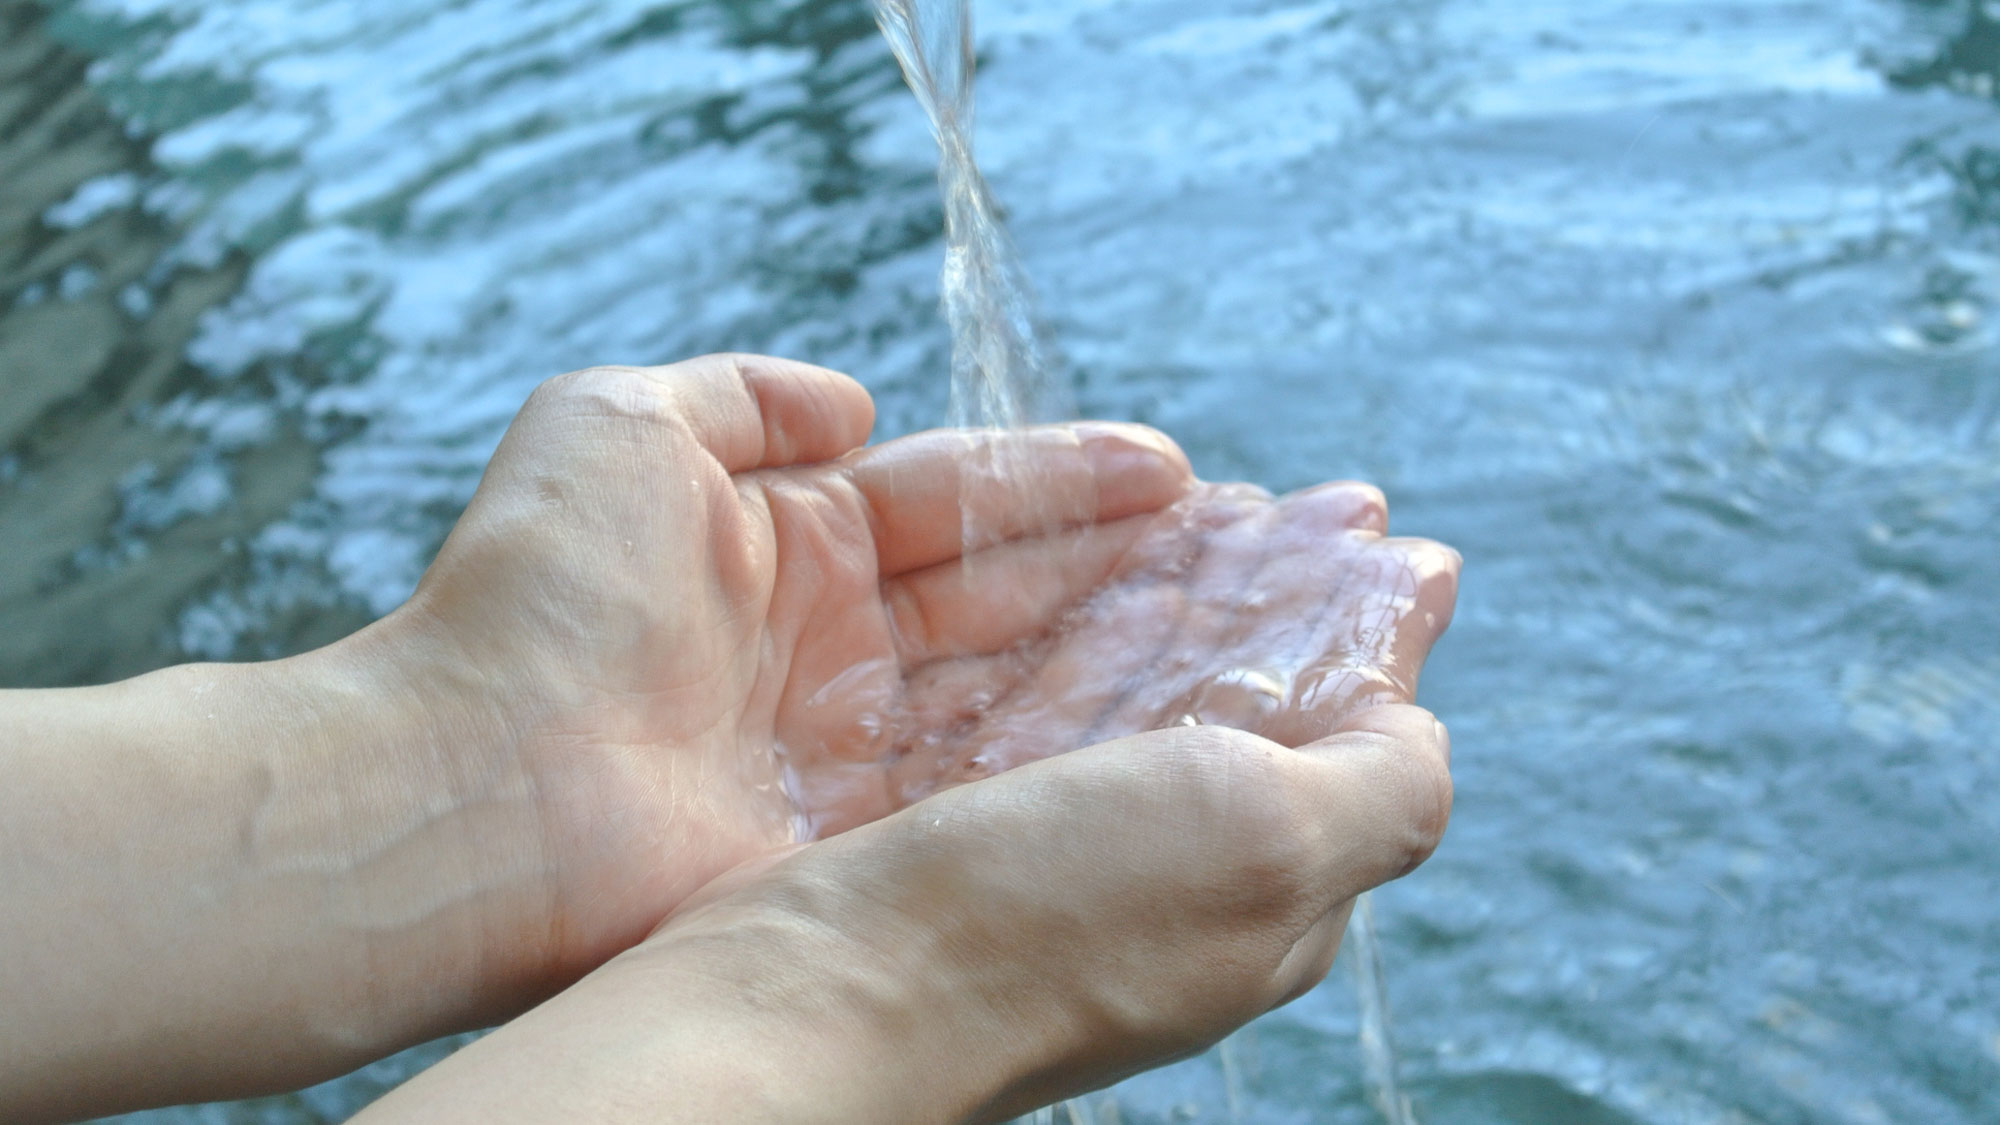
{"points": [[1120, 604]]}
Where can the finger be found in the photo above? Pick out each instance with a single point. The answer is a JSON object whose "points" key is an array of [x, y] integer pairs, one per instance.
{"points": [[1135, 654], [985, 602], [1268, 601], [1342, 505], [754, 412], [1371, 643], [1261, 607], [1144, 642], [1276, 601], [1435, 569], [1206, 633], [924, 491], [1381, 790]]}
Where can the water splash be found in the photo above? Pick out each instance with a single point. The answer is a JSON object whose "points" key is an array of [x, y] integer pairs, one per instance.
{"points": [[1232, 1078], [1079, 1112], [1378, 1048], [1003, 372], [1004, 375]]}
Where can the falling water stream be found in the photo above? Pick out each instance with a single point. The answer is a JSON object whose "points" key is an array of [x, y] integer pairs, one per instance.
{"points": [[1681, 319], [1005, 375]]}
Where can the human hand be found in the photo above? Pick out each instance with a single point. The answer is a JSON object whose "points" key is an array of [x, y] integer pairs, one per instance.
{"points": [[994, 948], [704, 624], [683, 623], [676, 586], [1281, 617]]}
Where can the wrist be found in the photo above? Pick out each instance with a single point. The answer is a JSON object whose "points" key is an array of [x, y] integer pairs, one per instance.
{"points": [[409, 799], [863, 1012], [755, 1008], [299, 840]]}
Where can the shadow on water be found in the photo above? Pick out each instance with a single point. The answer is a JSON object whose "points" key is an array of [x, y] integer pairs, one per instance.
{"points": [[114, 508], [132, 481], [1966, 62], [1671, 315], [1512, 1098]]}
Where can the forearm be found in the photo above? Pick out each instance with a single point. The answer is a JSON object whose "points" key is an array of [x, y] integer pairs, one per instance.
{"points": [[231, 879], [761, 1017], [999, 946]]}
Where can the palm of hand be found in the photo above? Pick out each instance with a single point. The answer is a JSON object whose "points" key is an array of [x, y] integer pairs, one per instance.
{"points": [[742, 631], [1277, 616]]}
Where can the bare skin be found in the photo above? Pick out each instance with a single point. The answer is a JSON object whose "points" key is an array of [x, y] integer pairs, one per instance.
{"points": [[694, 578], [653, 609], [993, 949], [864, 661], [1278, 617]]}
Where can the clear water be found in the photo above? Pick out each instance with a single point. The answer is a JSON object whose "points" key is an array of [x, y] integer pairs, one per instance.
{"points": [[1002, 371], [1380, 1067], [1002, 377], [1675, 315]]}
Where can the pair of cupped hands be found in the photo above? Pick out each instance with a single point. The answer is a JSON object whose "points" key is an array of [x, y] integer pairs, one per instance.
{"points": [[977, 825]]}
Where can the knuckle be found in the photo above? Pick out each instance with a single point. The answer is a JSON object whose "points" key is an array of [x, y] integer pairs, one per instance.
{"points": [[1366, 508], [1426, 796], [1432, 561], [623, 392]]}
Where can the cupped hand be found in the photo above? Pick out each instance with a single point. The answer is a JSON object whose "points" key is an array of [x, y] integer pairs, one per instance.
{"points": [[993, 948], [1281, 617], [1077, 920], [672, 584], [708, 624]]}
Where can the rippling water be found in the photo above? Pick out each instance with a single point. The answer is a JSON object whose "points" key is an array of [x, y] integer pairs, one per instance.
{"points": [[1675, 315]]}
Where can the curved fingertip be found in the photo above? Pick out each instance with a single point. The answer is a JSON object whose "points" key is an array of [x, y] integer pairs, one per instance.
{"points": [[810, 413], [1435, 570], [1395, 759], [1382, 794], [755, 411], [1136, 468], [1427, 557], [1411, 728], [1401, 721], [1342, 505]]}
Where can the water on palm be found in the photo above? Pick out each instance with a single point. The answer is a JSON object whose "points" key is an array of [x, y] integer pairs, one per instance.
{"points": [[1004, 375], [1678, 319]]}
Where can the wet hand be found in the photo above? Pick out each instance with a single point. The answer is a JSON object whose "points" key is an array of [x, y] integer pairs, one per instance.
{"points": [[675, 587], [1278, 616], [994, 948]]}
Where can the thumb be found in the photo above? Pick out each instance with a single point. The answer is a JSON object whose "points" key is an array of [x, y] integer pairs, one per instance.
{"points": [[1381, 786], [757, 412]]}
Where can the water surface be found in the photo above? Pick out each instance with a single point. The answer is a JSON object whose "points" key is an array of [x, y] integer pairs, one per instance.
{"points": [[1674, 315]]}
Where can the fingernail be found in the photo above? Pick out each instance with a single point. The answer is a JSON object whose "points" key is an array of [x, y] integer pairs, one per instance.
{"points": [[1134, 466], [1140, 441], [1443, 740]]}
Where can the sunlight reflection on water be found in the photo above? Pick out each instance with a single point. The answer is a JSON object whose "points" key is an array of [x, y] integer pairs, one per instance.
{"points": [[1673, 316]]}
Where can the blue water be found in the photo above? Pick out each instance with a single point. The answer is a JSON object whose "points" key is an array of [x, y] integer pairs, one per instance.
{"points": [[1676, 316]]}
